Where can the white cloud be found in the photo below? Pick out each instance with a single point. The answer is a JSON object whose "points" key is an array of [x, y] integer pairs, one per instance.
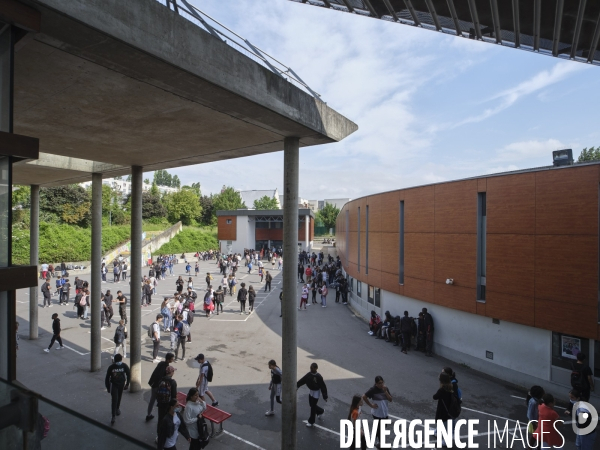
{"points": [[529, 150]]}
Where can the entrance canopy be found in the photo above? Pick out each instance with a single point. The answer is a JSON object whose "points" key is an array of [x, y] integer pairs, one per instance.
{"points": [[565, 29]]}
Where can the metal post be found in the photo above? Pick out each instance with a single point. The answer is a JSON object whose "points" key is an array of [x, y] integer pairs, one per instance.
{"points": [[290, 249], [135, 292], [96, 277], [34, 250]]}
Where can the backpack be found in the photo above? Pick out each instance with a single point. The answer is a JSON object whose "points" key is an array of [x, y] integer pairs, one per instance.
{"points": [[190, 318], [455, 408], [458, 391], [83, 300], [209, 373], [185, 329], [203, 434], [119, 335], [151, 330], [151, 273], [163, 393], [578, 379]]}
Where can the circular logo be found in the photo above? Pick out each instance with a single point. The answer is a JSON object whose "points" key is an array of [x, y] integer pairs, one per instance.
{"points": [[585, 418]]}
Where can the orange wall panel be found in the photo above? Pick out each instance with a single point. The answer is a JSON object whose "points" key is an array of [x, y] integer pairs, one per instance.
{"points": [[456, 207], [376, 212], [390, 207], [482, 185], [389, 282], [455, 297], [567, 201], [375, 248], [510, 264], [419, 210], [226, 232], [513, 308], [419, 289], [511, 204], [565, 317], [419, 251], [390, 248], [566, 269], [456, 257]]}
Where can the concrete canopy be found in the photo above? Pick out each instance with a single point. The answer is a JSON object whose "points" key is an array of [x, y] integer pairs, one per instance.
{"points": [[133, 83]]}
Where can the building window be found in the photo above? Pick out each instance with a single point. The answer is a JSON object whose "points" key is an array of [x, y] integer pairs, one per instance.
{"points": [[367, 241], [565, 349], [377, 298], [358, 288], [347, 234], [358, 247], [228, 222], [371, 297], [401, 245], [481, 244]]}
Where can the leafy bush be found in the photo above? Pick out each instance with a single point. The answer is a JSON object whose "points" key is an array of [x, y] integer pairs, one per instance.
{"points": [[190, 240]]}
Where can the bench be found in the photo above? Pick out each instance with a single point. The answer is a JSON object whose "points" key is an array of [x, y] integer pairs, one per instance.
{"points": [[212, 414]]}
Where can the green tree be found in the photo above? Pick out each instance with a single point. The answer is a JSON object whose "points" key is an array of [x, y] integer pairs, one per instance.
{"points": [[229, 199], [152, 205], [65, 204], [21, 197], [183, 205], [328, 215], [208, 217], [591, 154], [128, 178], [175, 182], [146, 181], [266, 202], [195, 187]]}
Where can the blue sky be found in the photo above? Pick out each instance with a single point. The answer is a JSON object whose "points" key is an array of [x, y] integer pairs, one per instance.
{"points": [[430, 107]]}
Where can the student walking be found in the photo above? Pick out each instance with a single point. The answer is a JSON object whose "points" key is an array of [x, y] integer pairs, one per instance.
{"points": [[251, 297], [124, 271], [170, 426], [122, 302], [314, 381], [165, 394], [47, 294], [55, 333], [181, 337], [206, 376], [323, 291], [192, 415], [274, 386], [354, 416], [377, 399], [116, 380], [304, 297], [268, 279], [155, 333], [65, 290], [546, 432], [120, 339], [219, 298], [241, 298], [160, 371]]}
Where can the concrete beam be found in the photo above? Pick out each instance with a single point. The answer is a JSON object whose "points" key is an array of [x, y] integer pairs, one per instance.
{"points": [[96, 282], [34, 244], [135, 269]]}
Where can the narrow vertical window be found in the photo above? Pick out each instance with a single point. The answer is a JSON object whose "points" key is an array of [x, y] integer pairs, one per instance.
{"points": [[367, 240], [401, 245], [358, 259], [347, 235], [481, 244]]}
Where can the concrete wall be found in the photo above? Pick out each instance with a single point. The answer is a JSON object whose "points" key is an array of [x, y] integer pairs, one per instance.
{"points": [[161, 239], [522, 354]]}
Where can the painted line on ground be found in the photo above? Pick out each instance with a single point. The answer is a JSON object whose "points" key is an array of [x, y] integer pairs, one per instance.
{"points": [[523, 398], [322, 428], [243, 440], [72, 349]]}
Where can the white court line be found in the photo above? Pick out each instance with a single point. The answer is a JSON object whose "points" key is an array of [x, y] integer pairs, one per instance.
{"points": [[82, 354], [523, 398], [322, 428], [243, 440]]}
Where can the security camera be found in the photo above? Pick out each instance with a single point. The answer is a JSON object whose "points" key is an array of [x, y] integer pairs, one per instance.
{"points": [[450, 281]]}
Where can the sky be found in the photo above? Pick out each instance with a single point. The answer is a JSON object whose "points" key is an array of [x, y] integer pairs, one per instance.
{"points": [[430, 107]]}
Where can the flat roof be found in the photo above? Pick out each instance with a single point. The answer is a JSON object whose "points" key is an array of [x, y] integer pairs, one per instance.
{"points": [[263, 212]]}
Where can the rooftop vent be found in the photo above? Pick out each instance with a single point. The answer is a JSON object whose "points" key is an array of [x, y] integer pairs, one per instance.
{"points": [[563, 157]]}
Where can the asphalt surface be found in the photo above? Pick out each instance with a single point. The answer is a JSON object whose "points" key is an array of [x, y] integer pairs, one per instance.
{"points": [[239, 347]]}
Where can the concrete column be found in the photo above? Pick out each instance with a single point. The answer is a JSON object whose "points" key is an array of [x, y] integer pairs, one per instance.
{"points": [[306, 232], [34, 250], [96, 277], [290, 251], [135, 292]]}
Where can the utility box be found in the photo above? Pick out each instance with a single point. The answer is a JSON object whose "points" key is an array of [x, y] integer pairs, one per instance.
{"points": [[562, 157]]}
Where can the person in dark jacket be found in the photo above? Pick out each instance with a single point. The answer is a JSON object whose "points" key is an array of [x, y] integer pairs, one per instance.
{"points": [[444, 399], [116, 380], [421, 334], [163, 408], [159, 373], [170, 426], [314, 381], [218, 299], [47, 293], [55, 333], [405, 329], [251, 297], [428, 332], [241, 297]]}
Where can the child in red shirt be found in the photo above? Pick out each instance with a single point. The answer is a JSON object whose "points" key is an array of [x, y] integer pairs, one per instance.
{"points": [[547, 421]]}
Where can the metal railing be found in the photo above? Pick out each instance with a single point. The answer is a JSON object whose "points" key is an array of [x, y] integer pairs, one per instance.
{"points": [[221, 32]]}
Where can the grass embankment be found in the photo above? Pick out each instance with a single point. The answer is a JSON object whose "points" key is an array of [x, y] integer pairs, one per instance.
{"points": [[191, 239], [61, 242]]}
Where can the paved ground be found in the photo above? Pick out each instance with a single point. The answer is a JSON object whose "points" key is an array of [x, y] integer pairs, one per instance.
{"points": [[239, 348]]}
